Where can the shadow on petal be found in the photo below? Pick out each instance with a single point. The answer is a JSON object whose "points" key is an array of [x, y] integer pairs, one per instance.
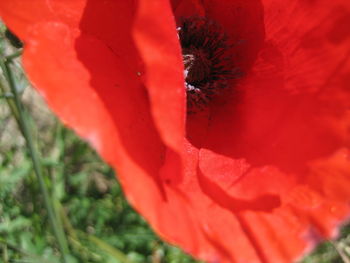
{"points": [[265, 203]]}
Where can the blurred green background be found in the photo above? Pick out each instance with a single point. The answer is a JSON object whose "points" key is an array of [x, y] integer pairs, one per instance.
{"points": [[92, 219]]}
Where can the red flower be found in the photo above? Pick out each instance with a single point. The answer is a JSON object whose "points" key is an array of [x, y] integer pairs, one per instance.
{"points": [[262, 172]]}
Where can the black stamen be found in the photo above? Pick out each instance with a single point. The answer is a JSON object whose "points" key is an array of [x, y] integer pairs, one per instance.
{"points": [[208, 68]]}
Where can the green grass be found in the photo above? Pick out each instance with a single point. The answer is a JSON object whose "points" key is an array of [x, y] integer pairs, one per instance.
{"points": [[88, 203]]}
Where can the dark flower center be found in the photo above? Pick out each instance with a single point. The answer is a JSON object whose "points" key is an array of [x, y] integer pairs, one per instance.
{"points": [[208, 68]]}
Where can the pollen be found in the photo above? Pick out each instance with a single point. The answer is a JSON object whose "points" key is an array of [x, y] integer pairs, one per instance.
{"points": [[207, 66]]}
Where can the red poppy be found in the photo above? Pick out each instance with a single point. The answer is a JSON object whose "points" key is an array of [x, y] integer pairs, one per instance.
{"points": [[260, 171]]}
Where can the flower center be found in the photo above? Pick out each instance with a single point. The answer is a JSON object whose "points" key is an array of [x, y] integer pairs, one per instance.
{"points": [[208, 68], [197, 66]]}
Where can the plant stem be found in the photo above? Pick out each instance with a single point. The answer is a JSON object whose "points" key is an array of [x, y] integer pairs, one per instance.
{"points": [[340, 251], [4, 253], [9, 99], [25, 129], [14, 55]]}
